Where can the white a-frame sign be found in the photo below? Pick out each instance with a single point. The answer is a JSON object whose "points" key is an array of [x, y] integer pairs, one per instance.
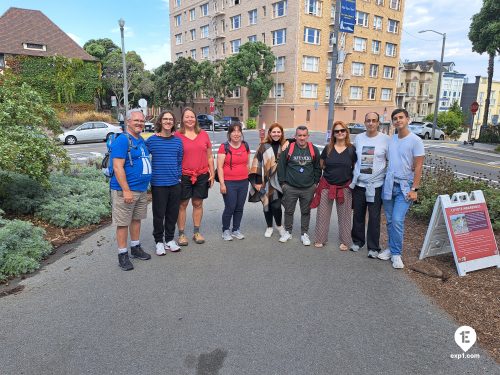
{"points": [[461, 224]]}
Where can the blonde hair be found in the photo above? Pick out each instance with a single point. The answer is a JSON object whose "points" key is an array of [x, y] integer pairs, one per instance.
{"points": [[182, 128]]}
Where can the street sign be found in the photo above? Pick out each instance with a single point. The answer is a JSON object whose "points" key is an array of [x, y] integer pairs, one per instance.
{"points": [[212, 105], [113, 101], [347, 15], [474, 107], [143, 103]]}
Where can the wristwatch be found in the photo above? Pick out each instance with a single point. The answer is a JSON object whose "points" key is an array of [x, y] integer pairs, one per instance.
{"points": [[414, 189]]}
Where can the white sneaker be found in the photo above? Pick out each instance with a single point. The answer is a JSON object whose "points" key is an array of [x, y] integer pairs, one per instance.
{"points": [[172, 246], [237, 234], [372, 254], [160, 249], [285, 236], [269, 232], [397, 262], [354, 248], [226, 235], [385, 255], [305, 239], [281, 230]]}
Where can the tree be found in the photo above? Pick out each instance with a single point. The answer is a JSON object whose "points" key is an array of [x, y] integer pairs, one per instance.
{"points": [[161, 82], [251, 67], [184, 82], [100, 48], [484, 33], [25, 120], [212, 82], [450, 121]]}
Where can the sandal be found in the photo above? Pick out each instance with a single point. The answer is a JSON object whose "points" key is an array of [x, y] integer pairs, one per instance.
{"points": [[343, 247], [183, 241], [318, 245], [198, 238]]}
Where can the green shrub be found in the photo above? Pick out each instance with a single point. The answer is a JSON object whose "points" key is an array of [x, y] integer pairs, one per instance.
{"points": [[441, 180], [490, 134], [22, 247], [20, 194], [251, 123]]}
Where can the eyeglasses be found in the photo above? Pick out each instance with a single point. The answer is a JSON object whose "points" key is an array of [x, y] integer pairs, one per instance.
{"points": [[337, 131], [371, 120], [167, 119]]}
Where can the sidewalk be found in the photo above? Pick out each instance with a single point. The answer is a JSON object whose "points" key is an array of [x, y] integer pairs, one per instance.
{"points": [[242, 307]]}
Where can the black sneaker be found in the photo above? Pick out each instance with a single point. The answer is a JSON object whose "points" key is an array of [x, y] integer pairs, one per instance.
{"points": [[124, 262], [137, 252]]}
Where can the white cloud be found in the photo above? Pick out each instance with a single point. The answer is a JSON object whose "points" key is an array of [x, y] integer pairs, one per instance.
{"points": [[155, 55], [76, 38]]}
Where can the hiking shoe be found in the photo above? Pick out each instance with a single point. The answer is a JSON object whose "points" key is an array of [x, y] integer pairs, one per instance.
{"points": [[183, 240], [269, 232], [285, 236], [238, 235], [137, 252], [160, 249], [226, 235], [198, 238], [372, 254], [397, 262], [385, 255], [172, 246], [281, 230], [305, 239], [124, 262], [354, 248]]}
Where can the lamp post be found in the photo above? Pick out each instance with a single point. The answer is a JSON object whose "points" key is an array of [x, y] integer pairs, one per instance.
{"points": [[121, 22], [276, 93], [436, 106]]}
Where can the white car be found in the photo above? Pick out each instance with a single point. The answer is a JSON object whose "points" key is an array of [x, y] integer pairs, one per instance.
{"points": [[424, 130], [89, 131]]}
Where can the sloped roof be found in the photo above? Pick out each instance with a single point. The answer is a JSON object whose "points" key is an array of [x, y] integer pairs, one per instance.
{"points": [[18, 26], [428, 65]]}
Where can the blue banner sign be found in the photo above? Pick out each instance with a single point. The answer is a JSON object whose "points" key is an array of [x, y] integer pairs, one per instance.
{"points": [[347, 15]]}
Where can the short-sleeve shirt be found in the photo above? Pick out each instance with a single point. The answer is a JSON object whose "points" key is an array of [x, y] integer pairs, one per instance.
{"points": [[338, 167], [402, 153], [235, 163], [371, 153], [139, 172], [195, 153]]}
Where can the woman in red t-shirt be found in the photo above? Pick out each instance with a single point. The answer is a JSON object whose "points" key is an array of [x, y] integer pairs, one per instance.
{"points": [[197, 173], [232, 169]]}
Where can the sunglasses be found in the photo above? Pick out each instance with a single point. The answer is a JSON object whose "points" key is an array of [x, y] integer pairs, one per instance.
{"points": [[337, 131]]}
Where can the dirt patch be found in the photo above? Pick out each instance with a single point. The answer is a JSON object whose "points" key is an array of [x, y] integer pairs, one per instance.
{"points": [[472, 300]]}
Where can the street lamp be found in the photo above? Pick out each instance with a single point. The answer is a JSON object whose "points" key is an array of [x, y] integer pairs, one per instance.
{"points": [[121, 22], [276, 93], [434, 121]]}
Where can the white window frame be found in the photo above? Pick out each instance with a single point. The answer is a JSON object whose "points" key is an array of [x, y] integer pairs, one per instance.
{"points": [[314, 7], [192, 14], [193, 34], [386, 94], [236, 22], [204, 9], [356, 93], [203, 54], [310, 63], [395, 4], [178, 39], [377, 22], [252, 38], [278, 90], [309, 90], [388, 72], [358, 69], [235, 45], [252, 17], [31, 46], [234, 94], [390, 49], [376, 51], [178, 20], [280, 8], [412, 89], [276, 34], [379, 2], [357, 47], [362, 18], [392, 26], [280, 64], [316, 34], [372, 93], [373, 70], [327, 92], [204, 31], [193, 54]]}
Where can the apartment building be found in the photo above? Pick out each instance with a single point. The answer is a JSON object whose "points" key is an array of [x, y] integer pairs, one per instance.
{"points": [[300, 34]]}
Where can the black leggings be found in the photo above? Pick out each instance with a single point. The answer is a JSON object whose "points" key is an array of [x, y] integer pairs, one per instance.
{"points": [[274, 211]]}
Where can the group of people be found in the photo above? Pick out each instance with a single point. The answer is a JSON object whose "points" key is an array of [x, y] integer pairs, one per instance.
{"points": [[371, 172]]}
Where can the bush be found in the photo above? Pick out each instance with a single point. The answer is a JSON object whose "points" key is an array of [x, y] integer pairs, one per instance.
{"points": [[441, 180], [490, 134], [20, 194], [251, 123], [70, 119], [22, 247]]}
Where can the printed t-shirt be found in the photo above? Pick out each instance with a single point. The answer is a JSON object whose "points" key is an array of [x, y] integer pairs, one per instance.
{"points": [[139, 174], [371, 153], [236, 163], [195, 153]]}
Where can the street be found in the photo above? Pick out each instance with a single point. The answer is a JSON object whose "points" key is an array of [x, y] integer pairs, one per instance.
{"points": [[465, 161]]}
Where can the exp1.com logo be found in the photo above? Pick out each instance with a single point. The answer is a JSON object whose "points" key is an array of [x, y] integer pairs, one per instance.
{"points": [[465, 337]]}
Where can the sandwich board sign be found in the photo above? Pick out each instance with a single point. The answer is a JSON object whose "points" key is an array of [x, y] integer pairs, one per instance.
{"points": [[461, 225]]}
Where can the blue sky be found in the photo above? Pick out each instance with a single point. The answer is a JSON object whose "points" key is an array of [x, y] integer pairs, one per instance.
{"points": [[147, 28]]}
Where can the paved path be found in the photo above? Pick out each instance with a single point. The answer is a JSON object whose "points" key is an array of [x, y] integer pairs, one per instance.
{"points": [[248, 307]]}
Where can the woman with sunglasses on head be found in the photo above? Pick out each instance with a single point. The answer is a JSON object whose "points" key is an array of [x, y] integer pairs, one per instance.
{"points": [[337, 161], [264, 178], [166, 151]]}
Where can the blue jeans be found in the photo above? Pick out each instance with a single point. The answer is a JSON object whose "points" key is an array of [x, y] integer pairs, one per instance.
{"points": [[395, 212], [234, 201]]}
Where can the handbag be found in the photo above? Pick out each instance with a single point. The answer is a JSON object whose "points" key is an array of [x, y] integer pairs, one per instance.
{"points": [[255, 197]]}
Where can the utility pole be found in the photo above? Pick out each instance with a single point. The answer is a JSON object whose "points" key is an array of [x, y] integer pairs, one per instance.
{"points": [[333, 73], [121, 23]]}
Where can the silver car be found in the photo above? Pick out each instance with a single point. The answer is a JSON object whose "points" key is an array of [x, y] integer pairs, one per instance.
{"points": [[89, 131], [424, 130]]}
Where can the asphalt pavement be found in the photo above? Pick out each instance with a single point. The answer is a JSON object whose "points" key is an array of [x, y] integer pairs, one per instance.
{"points": [[254, 306]]}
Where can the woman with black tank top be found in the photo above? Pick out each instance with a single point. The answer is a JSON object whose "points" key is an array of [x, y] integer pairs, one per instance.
{"points": [[337, 161], [264, 179]]}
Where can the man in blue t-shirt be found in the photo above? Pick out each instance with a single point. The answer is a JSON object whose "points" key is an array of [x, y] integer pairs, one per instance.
{"points": [[129, 185], [406, 159]]}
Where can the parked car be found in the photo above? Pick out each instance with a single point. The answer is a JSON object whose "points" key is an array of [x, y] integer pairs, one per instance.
{"points": [[234, 120], [149, 126], [356, 128], [424, 130], [209, 122], [89, 131]]}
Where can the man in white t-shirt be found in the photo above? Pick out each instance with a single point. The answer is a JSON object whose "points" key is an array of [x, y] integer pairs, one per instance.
{"points": [[406, 160], [369, 173]]}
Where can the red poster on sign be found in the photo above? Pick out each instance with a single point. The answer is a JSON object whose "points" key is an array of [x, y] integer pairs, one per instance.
{"points": [[471, 232]]}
